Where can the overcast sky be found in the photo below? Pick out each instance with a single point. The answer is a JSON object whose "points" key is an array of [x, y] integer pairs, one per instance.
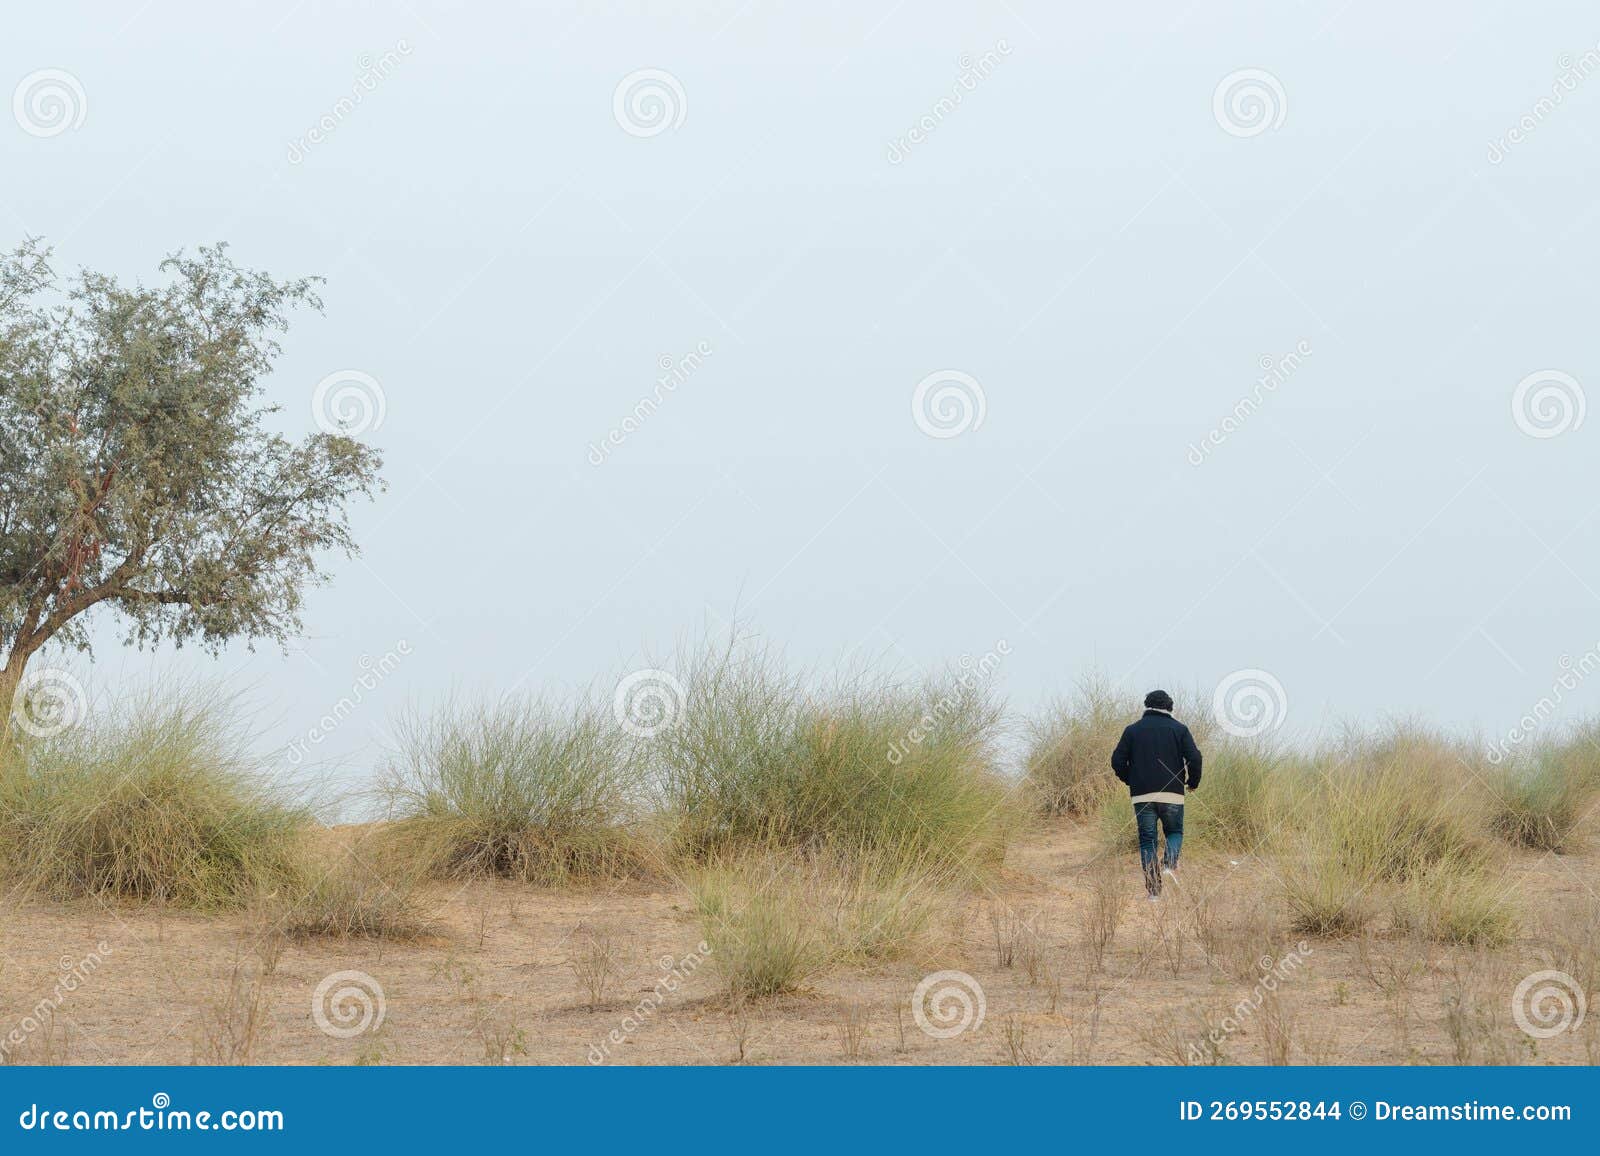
{"points": [[1077, 234]]}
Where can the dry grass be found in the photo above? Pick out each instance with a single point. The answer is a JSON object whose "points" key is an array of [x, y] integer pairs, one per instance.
{"points": [[758, 760], [595, 961], [350, 895], [776, 920], [521, 789], [153, 800]]}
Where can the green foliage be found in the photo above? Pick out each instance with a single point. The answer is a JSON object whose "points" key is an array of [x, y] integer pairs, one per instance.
{"points": [[153, 800], [136, 469], [518, 788], [755, 759]]}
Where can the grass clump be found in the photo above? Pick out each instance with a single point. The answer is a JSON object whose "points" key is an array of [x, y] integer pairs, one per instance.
{"points": [[1539, 803], [774, 920], [353, 892], [151, 800], [1454, 903], [1068, 763], [755, 761], [518, 789], [1400, 803]]}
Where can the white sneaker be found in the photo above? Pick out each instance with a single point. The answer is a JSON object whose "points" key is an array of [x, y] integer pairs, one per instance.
{"points": [[1170, 873], [1154, 898]]}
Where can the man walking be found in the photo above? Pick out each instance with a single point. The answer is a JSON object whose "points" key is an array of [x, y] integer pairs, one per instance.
{"points": [[1158, 760]]}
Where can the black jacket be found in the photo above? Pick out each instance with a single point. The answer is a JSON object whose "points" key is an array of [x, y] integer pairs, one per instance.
{"points": [[1157, 753]]}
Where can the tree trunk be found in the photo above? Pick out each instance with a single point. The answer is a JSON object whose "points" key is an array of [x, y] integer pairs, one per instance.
{"points": [[10, 678]]}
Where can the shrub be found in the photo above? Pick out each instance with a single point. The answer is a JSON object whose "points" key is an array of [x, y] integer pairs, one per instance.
{"points": [[353, 891], [1068, 763], [1239, 802], [774, 920], [763, 930], [1401, 803], [1325, 896], [753, 761], [518, 789], [1539, 803], [1455, 903], [152, 799]]}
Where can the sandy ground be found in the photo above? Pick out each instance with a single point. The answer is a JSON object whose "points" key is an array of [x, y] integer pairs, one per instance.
{"points": [[135, 986]]}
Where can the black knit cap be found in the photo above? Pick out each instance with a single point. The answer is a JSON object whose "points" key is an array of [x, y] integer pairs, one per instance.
{"points": [[1158, 700]]}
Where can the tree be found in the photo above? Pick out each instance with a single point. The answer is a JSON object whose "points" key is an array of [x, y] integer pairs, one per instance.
{"points": [[136, 471]]}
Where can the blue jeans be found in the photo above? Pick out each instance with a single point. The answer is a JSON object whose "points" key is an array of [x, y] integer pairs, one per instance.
{"points": [[1170, 816]]}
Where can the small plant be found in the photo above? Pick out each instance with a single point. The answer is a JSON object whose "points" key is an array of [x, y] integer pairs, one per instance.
{"points": [[231, 1023], [1277, 1028], [594, 963], [1104, 913], [740, 1025], [851, 1029], [1007, 928], [501, 1038], [1014, 1046], [48, 1046], [1184, 1040], [1083, 1025], [459, 974]]}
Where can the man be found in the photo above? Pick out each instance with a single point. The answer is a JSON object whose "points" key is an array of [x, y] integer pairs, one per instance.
{"points": [[1158, 760]]}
